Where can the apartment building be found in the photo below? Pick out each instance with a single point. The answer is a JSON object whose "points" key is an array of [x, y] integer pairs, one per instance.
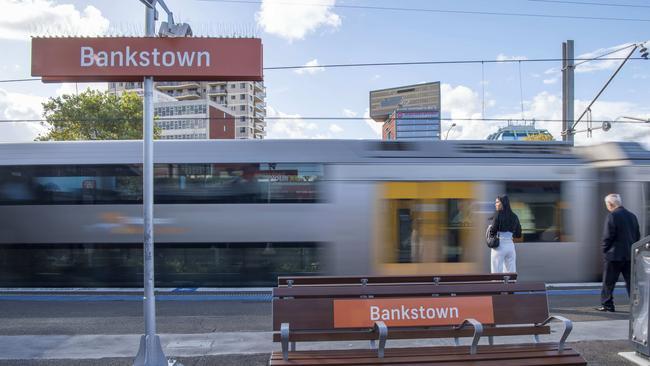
{"points": [[194, 120], [243, 99]]}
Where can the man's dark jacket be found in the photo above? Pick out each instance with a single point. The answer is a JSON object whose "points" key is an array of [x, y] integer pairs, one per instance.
{"points": [[620, 232]]}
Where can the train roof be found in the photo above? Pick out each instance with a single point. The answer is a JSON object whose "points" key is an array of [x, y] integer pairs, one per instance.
{"points": [[295, 151], [613, 154]]}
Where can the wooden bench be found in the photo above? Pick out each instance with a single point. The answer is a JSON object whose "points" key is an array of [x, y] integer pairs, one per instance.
{"points": [[378, 309]]}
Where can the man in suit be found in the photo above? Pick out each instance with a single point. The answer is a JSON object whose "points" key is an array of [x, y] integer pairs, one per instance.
{"points": [[620, 232]]}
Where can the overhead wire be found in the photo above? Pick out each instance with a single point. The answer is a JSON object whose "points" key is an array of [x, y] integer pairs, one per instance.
{"points": [[590, 3], [439, 11], [307, 118], [408, 63]]}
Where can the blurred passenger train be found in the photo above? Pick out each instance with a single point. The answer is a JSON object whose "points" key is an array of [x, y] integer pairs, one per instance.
{"points": [[240, 213]]}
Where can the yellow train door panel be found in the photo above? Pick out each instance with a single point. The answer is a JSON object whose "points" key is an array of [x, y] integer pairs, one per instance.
{"points": [[426, 227]]}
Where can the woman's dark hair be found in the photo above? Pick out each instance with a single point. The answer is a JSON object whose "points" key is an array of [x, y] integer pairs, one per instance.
{"points": [[505, 219]]}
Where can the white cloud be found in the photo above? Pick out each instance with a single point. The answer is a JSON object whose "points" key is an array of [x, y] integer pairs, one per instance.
{"points": [[20, 106], [597, 65], [312, 68], [294, 21], [547, 106], [334, 128], [502, 57], [283, 125], [550, 81], [349, 113], [460, 101], [20, 19], [592, 66], [374, 126], [462, 104]]}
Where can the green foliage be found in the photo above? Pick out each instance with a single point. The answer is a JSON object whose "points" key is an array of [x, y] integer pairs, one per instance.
{"points": [[93, 115], [539, 137]]}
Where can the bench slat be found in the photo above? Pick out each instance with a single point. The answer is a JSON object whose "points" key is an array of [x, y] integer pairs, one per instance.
{"points": [[412, 334], [530, 357], [422, 351], [318, 314], [340, 280], [405, 290]]}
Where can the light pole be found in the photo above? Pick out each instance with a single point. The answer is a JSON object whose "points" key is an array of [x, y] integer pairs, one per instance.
{"points": [[150, 352], [449, 130]]}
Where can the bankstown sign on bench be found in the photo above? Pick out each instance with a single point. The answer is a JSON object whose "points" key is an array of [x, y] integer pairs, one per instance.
{"points": [[129, 59], [426, 311]]}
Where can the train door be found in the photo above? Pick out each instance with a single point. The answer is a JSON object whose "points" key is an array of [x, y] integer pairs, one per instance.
{"points": [[427, 227]]}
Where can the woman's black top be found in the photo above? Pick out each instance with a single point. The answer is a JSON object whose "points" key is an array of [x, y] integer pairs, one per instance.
{"points": [[505, 220]]}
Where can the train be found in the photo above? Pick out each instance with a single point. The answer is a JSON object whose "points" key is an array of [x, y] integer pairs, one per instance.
{"points": [[242, 213]]}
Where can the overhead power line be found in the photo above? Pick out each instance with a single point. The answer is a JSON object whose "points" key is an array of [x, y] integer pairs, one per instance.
{"points": [[591, 3], [310, 118], [606, 54], [412, 63], [19, 80], [441, 11]]}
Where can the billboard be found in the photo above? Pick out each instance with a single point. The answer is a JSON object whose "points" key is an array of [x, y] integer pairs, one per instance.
{"points": [[420, 96], [130, 58]]}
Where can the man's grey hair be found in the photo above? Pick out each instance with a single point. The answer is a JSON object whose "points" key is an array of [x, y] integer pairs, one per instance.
{"points": [[614, 199]]}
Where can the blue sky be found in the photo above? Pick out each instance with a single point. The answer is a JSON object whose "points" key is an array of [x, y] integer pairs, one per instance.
{"points": [[297, 34]]}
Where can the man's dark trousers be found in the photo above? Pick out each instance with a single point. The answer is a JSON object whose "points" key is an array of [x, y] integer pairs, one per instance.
{"points": [[611, 271]]}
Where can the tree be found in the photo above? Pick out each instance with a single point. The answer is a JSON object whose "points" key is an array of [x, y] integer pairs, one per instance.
{"points": [[93, 115], [539, 137]]}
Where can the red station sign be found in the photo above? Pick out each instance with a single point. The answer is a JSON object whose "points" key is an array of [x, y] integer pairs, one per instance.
{"points": [[131, 58]]}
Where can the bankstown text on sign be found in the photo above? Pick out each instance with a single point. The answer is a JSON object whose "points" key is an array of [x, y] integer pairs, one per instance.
{"points": [[129, 59], [363, 313]]}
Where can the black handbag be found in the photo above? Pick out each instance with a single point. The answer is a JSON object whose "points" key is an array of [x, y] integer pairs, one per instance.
{"points": [[492, 241]]}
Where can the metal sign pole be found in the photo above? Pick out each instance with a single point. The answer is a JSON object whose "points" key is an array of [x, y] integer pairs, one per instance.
{"points": [[150, 352]]}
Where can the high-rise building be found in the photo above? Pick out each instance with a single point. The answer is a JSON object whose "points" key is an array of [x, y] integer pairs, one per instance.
{"points": [[409, 112], [242, 99]]}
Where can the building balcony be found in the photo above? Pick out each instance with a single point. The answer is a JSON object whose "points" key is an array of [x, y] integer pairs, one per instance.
{"points": [[258, 86], [260, 95], [217, 91], [261, 106], [260, 115], [188, 95], [171, 85]]}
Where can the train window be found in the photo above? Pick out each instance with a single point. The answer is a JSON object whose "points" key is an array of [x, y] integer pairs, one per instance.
{"points": [[177, 265], [173, 183], [238, 183], [70, 184], [540, 209]]}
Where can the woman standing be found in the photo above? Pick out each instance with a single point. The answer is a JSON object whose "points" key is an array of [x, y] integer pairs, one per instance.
{"points": [[506, 226]]}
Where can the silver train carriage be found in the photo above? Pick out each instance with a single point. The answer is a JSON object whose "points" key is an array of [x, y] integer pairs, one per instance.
{"points": [[240, 213]]}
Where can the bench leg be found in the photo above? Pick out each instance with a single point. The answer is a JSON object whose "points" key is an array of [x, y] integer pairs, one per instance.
{"points": [[478, 331], [383, 334], [373, 344], [284, 336], [568, 326], [491, 340], [293, 347]]}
